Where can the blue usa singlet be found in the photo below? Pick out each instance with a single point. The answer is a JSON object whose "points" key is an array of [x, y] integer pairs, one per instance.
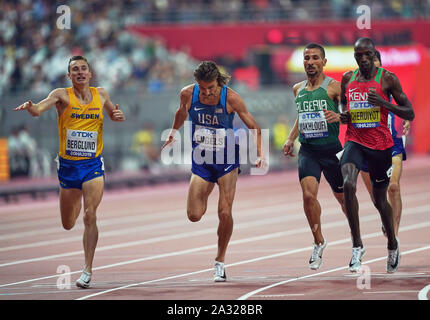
{"points": [[215, 152]]}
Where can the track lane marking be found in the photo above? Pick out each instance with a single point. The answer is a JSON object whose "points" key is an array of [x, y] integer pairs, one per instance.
{"points": [[252, 293], [332, 243]]}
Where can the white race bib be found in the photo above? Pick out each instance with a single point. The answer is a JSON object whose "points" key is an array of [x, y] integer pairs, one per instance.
{"points": [[81, 143], [313, 125], [209, 138]]}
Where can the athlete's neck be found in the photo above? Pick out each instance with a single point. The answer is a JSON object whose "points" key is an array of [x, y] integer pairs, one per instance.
{"points": [[82, 92], [315, 82], [368, 74], [212, 99]]}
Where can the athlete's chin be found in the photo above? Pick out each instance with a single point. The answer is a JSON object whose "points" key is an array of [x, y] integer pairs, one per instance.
{"points": [[364, 67], [81, 82]]}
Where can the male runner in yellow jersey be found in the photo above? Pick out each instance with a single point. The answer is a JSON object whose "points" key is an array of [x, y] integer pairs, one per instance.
{"points": [[80, 166]]}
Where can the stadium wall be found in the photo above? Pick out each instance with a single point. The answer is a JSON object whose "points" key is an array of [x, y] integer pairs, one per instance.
{"points": [[212, 40], [266, 105]]}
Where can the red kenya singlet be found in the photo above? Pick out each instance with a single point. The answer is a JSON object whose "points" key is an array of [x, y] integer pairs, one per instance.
{"points": [[368, 125]]}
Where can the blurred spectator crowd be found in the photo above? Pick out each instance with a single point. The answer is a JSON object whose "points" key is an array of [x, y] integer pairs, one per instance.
{"points": [[26, 158], [186, 11], [34, 52]]}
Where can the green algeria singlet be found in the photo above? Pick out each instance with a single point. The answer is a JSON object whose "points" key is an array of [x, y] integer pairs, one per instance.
{"points": [[313, 127]]}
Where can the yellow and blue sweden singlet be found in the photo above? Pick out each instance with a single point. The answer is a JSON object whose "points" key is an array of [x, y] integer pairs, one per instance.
{"points": [[80, 128]]}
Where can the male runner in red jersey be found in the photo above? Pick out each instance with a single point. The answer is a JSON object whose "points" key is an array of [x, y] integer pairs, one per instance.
{"points": [[365, 108]]}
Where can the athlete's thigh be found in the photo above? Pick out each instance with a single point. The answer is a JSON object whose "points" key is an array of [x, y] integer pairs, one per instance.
{"points": [[366, 180], [227, 189], [353, 153], [379, 162], [308, 164], [93, 192], [69, 202], [198, 193], [397, 163], [333, 173]]}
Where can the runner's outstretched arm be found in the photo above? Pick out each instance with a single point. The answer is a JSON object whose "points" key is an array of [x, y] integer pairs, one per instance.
{"points": [[37, 109]]}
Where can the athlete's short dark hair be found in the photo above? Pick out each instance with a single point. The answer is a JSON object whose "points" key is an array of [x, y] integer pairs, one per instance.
{"points": [[208, 71], [313, 45], [365, 40], [75, 58], [378, 55]]}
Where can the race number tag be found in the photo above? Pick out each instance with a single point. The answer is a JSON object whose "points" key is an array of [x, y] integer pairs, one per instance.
{"points": [[81, 143], [209, 138], [313, 125], [364, 114]]}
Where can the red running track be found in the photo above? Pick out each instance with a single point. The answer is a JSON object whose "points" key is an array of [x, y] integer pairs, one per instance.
{"points": [[148, 250]]}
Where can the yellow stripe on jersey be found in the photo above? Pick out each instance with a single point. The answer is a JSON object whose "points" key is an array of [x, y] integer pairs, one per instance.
{"points": [[80, 128]]}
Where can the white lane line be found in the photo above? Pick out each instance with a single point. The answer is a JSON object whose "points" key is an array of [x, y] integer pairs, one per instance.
{"points": [[332, 243], [252, 293], [154, 226], [411, 227], [139, 216], [170, 254], [142, 217], [422, 295], [294, 206], [163, 238], [385, 292], [105, 207], [290, 217], [258, 238], [279, 295]]}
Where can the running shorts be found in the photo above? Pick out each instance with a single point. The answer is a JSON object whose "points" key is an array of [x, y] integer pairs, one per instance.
{"points": [[313, 162], [398, 148], [73, 173], [378, 162], [212, 171]]}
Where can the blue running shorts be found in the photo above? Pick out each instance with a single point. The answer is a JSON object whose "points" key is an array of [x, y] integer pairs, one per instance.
{"points": [[73, 173], [212, 172]]}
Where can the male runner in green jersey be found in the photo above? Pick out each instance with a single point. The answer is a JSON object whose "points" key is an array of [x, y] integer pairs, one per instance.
{"points": [[317, 123]]}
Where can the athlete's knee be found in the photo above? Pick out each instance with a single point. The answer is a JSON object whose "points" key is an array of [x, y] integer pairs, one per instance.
{"points": [[224, 214], [194, 216], [308, 197], [393, 189], [68, 219], [381, 203], [90, 217], [68, 225], [349, 186]]}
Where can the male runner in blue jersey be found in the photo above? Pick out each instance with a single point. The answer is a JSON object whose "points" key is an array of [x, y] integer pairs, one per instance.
{"points": [[211, 106]]}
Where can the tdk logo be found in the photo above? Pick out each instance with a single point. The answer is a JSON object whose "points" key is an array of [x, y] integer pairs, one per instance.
{"points": [[311, 116], [82, 134]]}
